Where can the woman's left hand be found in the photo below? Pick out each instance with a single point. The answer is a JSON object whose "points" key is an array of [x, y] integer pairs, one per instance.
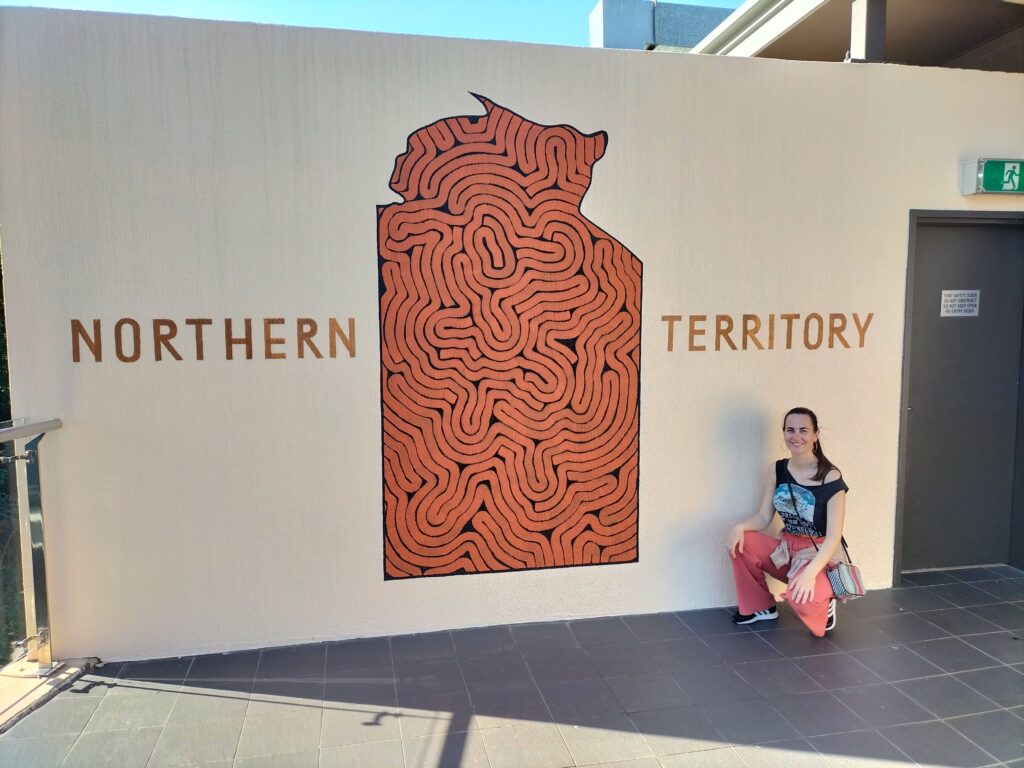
{"points": [[801, 588]]}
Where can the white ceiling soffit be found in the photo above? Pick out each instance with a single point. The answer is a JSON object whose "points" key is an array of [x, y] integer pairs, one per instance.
{"points": [[756, 24]]}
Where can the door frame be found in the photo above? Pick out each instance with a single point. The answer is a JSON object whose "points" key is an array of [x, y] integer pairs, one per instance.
{"points": [[918, 217]]}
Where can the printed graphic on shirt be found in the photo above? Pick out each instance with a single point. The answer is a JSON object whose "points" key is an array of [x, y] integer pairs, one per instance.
{"points": [[801, 519]]}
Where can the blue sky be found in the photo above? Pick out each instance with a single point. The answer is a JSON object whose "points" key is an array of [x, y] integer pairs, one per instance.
{"points": [[560, 22]]}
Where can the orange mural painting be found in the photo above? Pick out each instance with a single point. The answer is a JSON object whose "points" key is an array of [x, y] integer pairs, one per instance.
{"points": [[510, 355]]}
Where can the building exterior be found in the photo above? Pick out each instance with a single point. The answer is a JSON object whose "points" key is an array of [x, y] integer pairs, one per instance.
{"points": [[342, 349], [648, 25]]}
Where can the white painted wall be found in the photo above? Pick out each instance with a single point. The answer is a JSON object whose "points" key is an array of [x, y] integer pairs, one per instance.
{"points": [[167, 168]]}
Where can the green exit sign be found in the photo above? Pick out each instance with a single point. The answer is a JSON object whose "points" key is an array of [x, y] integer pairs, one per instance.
{"points": [[992, 177]]}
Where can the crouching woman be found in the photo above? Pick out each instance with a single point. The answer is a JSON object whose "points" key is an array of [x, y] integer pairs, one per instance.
{"points": [[809, 494]]}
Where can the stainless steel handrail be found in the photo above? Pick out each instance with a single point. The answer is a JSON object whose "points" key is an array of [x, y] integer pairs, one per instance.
{"points": [[26, 438]]}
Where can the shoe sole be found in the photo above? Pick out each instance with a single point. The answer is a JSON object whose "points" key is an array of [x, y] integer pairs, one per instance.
{"points": [[756, 618]]}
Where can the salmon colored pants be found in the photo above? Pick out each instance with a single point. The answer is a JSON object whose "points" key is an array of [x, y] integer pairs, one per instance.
{"points": [[750, 566]]}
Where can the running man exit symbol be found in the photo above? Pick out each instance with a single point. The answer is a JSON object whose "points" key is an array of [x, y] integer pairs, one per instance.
{"points": [[988, 177]]}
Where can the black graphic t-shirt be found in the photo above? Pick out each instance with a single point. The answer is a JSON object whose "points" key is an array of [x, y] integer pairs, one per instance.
{"points": [[810, 516]]}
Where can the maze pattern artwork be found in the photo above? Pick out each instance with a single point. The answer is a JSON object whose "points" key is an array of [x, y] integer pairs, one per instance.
{"points": [[510, 355]]}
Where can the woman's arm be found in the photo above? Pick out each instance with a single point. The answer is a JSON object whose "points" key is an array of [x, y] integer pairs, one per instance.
{"points": [[801, 588], [756, 522]]}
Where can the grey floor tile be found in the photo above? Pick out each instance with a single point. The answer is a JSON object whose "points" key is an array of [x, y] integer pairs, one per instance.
{"points": [[124, 749], [201, 742], [570, 699], [426, 646], [278, 697], [355, 724], [561, 664], [483, 641], [544, 636], [657, 626], [975, 573], [364, 653], [495, 707], [815, 714], [640, 762], [456, 750], [774, 678], [748, 722], [280, 734], [930, 578], [864, 749], [1006, 590], [58, 717], [438, 714], [224, 667], [1008, 647], [168, 670], [677, 730], [895, 662], [857, 636], [45, 752], [96, 682], [539, 745], [712, 685], [602, 739], [139, 709], [752, 646], [874, 604], [964, 595], [637, 693], [429, 677], [379, 754], [793, 753], [935, 743], [366, 687], [880, 705], [726, 757], [998, 733], [908, 628], [195, 703], [946, 696], [799, 642], [633, 658], [684, 653], [1001, 684], [914, 599], [1006, 571], [959, 621], [837, 671], [601, 631], [307, 759], [952, 654], [505, 668], [711, 621], [1003, 615], [294, 662]]}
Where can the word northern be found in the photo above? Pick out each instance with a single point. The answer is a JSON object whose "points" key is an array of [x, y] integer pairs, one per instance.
{"points": [[196, 338], [784, 331]]}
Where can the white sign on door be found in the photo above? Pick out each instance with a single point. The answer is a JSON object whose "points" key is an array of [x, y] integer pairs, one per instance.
{"points": [[960, 303]]}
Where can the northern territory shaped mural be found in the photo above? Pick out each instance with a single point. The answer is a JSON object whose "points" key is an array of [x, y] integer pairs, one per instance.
{"points": [[510, 355]]}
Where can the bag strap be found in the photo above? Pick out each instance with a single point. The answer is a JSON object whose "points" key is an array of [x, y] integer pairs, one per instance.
{"points": [[842, 539]]}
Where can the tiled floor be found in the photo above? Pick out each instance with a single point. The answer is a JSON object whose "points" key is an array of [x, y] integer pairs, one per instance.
{"points": [[931, 673]]}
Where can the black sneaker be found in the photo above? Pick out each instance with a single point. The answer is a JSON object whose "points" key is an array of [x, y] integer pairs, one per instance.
{"points": [[830, 622], [749, 618]]}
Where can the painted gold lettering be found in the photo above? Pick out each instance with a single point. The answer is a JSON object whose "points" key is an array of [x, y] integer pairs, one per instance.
{"points": [[723, 327], [119, 340], [672, 320], [771, 331], [815, 317], [306, 330], [163, 331], [751, 325], [78, 335], [789, 328], [836, 326], [349, 339], [230, 341], [862, 329], [269, 342], [198, 323], [695, 332]]}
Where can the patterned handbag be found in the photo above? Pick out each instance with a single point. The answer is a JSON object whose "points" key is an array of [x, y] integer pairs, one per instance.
{"points": [[844, 578]]}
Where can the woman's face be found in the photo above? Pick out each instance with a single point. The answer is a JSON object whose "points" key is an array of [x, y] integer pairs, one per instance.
{"points": [[799, 434]]}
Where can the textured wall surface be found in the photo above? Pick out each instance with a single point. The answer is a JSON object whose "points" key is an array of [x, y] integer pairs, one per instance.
{"points": [[161, 169]]}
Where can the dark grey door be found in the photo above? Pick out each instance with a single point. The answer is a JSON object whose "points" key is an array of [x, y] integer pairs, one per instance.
{"points": [[961, 393]]}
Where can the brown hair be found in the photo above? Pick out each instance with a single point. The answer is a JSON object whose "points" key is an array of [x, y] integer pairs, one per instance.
{"points": [[824, 465]]}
